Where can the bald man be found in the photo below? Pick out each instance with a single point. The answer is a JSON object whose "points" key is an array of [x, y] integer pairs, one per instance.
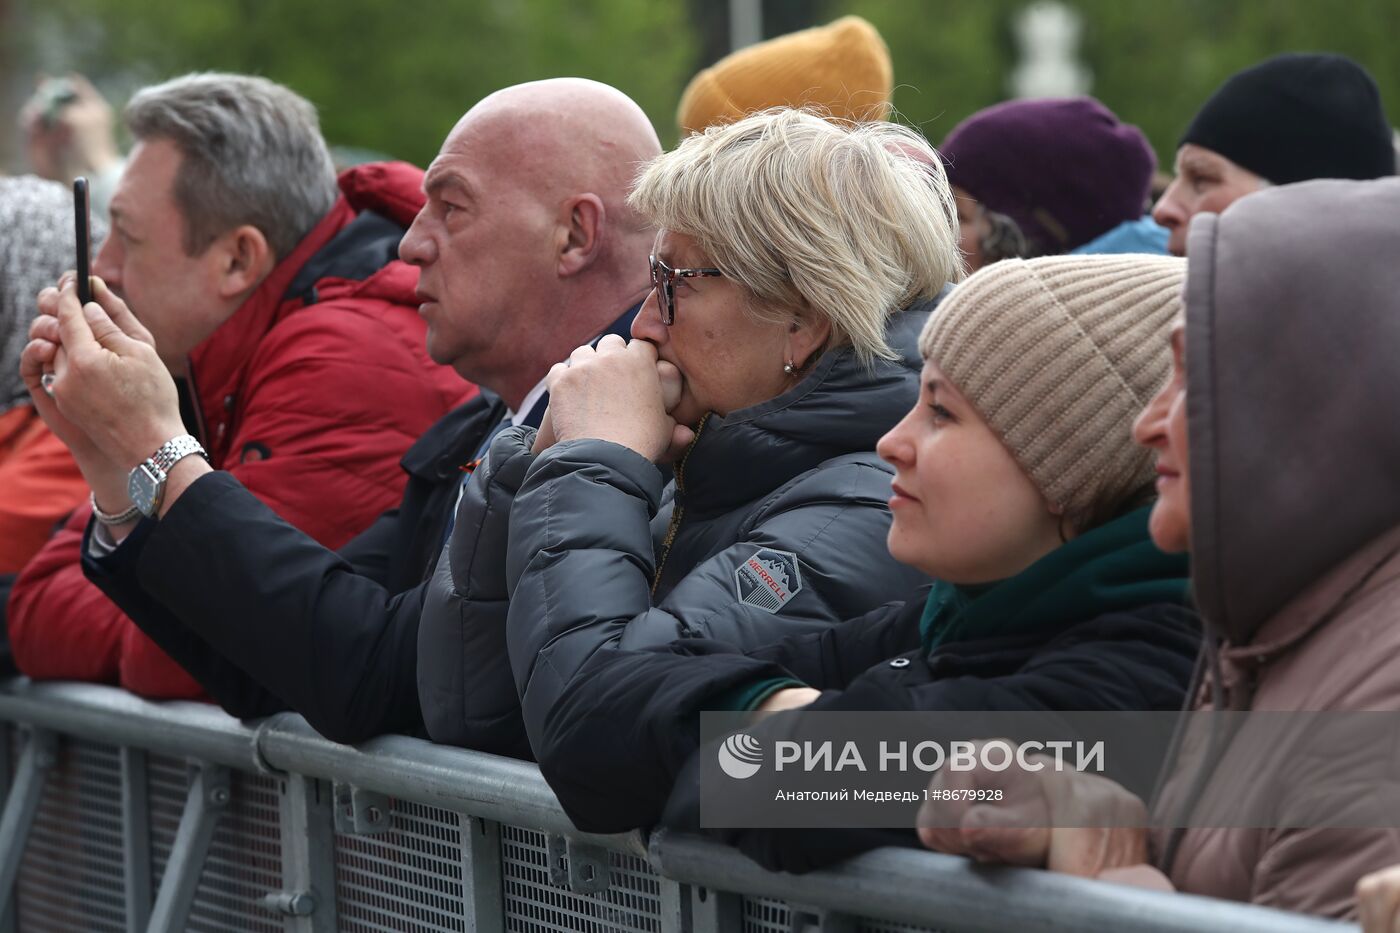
{"points": [[526, 250]]}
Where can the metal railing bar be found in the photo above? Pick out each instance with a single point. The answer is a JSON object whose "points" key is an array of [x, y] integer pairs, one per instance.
{"points": [[207, 799], [473, 783], [136, 839], [483, 891], [115, 717], [308, 851], [21, 805]]}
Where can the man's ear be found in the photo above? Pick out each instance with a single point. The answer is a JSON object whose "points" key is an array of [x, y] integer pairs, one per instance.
{"points": [[581, 233], [244, 260]]}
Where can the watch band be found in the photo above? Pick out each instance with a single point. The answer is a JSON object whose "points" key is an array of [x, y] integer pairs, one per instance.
{"points": [[112, 518], [175, 450]]}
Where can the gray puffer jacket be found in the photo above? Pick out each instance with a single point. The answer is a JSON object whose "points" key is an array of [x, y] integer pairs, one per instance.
{"points": [[775, 524]]}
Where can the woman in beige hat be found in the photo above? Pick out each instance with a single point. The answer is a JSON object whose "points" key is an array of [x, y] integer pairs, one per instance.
{"points": [[1277, 454], [1017, 487]]}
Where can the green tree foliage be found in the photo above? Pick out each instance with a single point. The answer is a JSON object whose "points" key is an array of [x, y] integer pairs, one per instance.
{"points": [[1154, 61], [388, 77], [393, 77]]}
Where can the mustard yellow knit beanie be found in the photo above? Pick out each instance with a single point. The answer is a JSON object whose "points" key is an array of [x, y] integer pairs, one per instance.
{"points": [[843, 67], [1058, 355]]}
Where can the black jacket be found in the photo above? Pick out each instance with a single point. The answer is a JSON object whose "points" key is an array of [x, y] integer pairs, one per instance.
{"points": [[775, 524], [267, 620], [641, 707]]}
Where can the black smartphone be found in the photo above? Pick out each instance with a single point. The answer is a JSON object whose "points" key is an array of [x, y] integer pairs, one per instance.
{"points": [[81, 227]]}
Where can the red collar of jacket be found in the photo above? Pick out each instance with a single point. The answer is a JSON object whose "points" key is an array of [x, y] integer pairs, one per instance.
{"points": [[219, 365]]}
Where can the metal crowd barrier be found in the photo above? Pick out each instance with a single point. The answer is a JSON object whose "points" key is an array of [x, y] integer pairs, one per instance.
{"points": [[124, 815]]}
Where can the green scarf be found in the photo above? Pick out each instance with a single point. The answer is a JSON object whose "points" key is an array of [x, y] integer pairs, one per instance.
{"points": [[1113, 567]]}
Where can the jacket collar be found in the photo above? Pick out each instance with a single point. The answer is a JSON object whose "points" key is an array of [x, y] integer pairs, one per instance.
{"points": [[218, 365], [1317, 605]]}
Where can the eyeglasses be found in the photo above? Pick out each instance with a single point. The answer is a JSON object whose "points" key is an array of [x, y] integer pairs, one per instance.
{"points": [[663, 279]]}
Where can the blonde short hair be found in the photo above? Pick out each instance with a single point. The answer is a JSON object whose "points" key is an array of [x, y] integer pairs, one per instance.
{"points": [[849, 222]]}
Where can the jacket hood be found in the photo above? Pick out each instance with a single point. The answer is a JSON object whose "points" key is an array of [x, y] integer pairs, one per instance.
{"points": [[1293, 375], [841, 407], [392, 189]]}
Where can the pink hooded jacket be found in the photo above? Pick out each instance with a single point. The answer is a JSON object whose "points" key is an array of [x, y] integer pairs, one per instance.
{"points": [[1293, 368]]}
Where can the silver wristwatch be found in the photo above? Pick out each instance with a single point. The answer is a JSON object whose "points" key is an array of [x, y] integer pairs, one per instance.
{"points": [[146, 485]]}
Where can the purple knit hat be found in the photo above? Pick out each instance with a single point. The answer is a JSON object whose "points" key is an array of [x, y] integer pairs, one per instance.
{"points": [[1066, 170]]}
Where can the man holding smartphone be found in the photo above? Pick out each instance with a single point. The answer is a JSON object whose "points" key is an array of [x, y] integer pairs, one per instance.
{"points": [[269, 291]]}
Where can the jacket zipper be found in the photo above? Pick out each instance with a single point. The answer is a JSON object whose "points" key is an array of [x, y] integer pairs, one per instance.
{"points": [[679, 511], [201, 430]]}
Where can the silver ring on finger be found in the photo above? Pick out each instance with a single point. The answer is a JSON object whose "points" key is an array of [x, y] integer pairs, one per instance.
{"points": [[46, 382]]}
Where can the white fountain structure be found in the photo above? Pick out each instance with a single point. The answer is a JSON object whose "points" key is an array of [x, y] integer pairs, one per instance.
{"points": [[1048, 34]]}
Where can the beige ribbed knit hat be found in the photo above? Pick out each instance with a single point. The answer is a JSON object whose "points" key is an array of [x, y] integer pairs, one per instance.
{"points": [[1059, 354], [843, 67]]}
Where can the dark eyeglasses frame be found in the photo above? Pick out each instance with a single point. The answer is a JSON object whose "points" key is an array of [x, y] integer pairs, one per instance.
{"points": [[663, 280]]}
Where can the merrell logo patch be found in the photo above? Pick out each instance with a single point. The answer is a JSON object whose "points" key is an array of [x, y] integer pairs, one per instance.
{"points": [[768, 579]]}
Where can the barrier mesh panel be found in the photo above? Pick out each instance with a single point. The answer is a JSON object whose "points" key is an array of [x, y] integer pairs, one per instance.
{"points": [[632, 901], [883, 926], [409, 878], [765, 915], [245, 857], [71, 877]]}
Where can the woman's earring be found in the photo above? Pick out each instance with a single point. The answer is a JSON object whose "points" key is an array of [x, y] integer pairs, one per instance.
{"points": [[788, 368]]}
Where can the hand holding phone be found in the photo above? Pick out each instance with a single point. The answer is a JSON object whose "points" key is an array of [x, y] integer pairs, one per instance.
{"points": [[81, 226]]}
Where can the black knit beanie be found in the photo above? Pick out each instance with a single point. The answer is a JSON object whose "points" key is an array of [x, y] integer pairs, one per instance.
{"points": [[1298, 116]]}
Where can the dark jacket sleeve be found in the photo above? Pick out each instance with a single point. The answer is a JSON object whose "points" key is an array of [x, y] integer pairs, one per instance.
{"points": [[641, 708], [580, 565], [1128, 661], [269, 601], [370, 551], [832, 658], [115, 576], [1137, 660], [465, 685], [650, 701]]}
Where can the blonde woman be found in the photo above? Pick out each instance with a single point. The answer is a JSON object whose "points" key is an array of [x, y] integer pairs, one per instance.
{"points": [[769, 358]]}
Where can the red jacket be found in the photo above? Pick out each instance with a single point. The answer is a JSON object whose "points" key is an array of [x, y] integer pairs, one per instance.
{"points": [[309, 405], [39, 485]]}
